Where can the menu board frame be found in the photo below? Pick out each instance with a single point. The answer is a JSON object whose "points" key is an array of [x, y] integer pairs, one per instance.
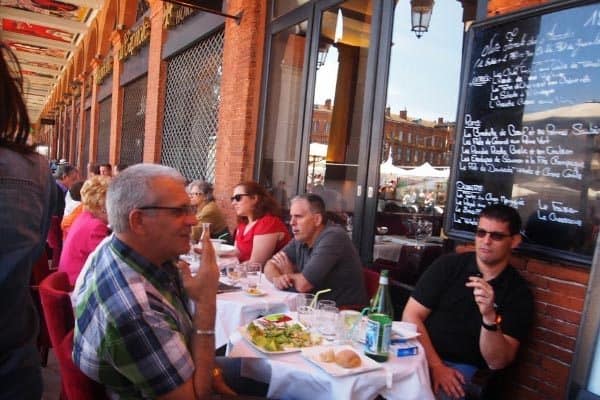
{"points": [[456, 227]]}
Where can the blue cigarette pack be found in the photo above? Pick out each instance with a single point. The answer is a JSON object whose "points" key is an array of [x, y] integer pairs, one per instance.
{"points": [[403, 348]]}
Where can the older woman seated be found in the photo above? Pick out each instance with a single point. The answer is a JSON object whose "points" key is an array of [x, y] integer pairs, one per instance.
{"points": [[201, 195], [88, 229], [260, 231]]}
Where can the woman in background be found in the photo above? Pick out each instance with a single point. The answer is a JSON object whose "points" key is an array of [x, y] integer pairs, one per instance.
{"points": [[88, 229], [76, 209], [27, 195], [260, 232], [201, 195]]}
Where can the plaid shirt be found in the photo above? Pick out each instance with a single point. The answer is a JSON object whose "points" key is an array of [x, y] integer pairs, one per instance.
{"points": [[131, 324]]}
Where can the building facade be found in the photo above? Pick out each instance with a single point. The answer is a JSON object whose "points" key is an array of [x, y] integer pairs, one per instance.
{"points": [[229, 100]]}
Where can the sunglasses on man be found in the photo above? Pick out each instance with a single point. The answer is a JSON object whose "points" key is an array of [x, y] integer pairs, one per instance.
{"points": [[495, 236]]}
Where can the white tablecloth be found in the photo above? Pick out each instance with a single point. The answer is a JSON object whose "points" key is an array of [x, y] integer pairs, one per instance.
{"points": [[391, 247], [291, 376], [235, 309]]}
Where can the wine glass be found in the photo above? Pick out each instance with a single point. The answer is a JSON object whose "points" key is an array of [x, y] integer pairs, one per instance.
{"points": [[381, 230], [423, 230]]}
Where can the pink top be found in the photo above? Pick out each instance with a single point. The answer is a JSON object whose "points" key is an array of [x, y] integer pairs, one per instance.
{"points": [[83, 237], [265, 225]]}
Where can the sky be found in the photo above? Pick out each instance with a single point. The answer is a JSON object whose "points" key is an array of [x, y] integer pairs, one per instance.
{"points": [[424, 73]]}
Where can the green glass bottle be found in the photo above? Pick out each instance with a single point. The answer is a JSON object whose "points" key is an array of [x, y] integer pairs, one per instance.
{"points": [[381, 303], [379, 323]]}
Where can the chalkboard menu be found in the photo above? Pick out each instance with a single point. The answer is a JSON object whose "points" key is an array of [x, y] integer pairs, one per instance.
{"points": [[528, 128]]}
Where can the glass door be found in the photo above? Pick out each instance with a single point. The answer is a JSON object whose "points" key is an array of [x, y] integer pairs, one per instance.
{"points": [[415, 135], [335, 127]]}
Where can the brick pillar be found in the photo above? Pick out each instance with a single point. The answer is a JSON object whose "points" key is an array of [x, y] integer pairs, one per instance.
{"points": [[73, 124], [116, 111], [240, 92], [157, 80], [94, 113], [496, 7], [81, 126]]}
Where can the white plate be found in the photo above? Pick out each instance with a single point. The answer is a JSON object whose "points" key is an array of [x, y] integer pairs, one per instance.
{"points": [[312, 354], [405, 330], [225, 250], [244, 332], [255, 292]]}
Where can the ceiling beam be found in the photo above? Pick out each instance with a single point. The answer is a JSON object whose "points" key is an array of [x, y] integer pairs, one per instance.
{"points": [[25, 56], [40, 70], [37, 41], [51, 21], [38, 79]]}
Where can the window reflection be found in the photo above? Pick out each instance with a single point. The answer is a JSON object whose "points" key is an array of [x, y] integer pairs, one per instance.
{"points": [[286, 74]]}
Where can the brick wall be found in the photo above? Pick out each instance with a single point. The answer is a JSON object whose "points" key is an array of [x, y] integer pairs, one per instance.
{"points": [[496, 7], [240, 96]]}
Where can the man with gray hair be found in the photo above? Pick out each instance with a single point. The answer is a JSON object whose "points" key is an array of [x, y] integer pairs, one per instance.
{"points": [[133, 331], [320, 256]]}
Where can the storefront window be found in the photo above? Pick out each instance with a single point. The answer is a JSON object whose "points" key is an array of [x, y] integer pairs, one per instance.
{"points": [[283, 112], [421, 104]]}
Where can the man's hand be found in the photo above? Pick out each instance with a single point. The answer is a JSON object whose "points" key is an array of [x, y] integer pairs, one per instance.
{"points": [[484, 296], [447, 379], [283, 263], [283, 282]]}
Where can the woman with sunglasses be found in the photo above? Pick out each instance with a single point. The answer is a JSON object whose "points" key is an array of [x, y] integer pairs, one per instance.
{"points": [[201, 196], [260, 232]]}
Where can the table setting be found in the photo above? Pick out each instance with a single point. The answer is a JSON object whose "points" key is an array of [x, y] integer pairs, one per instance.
{"points": [[327, 365]]}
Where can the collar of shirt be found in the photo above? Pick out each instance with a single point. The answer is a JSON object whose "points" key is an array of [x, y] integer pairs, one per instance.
{"points": [[62, 187], [164, 277]]}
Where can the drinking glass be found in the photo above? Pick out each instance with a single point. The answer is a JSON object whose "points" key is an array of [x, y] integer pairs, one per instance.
{"points": [[305, 299], [328, 322], [325, 303], [253, 273], [234, 272], [349, 323], [306, 316]]}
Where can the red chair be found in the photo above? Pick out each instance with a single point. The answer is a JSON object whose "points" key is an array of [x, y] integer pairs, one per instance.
{"points": [[56, 303], [55, 241], [371, 282], [40, 271]]}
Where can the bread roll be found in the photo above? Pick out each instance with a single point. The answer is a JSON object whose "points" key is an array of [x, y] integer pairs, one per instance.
{"points": [[347, 359]]}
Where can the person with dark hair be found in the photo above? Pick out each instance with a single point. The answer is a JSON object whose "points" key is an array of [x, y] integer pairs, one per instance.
{"points": [[260, 231], [93, 169], [201, 196], [106, 169], [27, 195], [66, 175], [474, 309], [321, 256]]}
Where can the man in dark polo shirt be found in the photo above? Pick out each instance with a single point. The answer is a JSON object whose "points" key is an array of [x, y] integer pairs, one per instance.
{"points": [[321, 256], [473, 310]]}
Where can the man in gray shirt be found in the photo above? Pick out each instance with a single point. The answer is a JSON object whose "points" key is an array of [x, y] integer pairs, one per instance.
{"points": [[321, 256]]}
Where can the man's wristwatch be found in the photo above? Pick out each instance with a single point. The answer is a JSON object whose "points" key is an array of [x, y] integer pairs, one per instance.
{"points": [[494, 326]]}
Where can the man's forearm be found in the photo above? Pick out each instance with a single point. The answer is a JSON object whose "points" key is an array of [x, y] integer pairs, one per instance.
{"points": [[271, 270], [433, 358], [497, 350], [203, 347]]}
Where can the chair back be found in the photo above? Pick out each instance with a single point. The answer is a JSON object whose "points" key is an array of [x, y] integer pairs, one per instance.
{"points": [[54, 240], [371, 282], [56, 304]]}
